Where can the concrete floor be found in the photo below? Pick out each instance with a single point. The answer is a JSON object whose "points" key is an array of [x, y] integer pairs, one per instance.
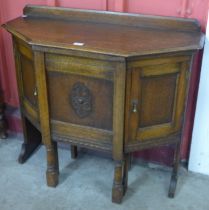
{"points": [[86, 183]]}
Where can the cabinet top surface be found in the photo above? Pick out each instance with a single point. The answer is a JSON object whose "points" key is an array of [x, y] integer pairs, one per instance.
{"points": [[105, 32]]}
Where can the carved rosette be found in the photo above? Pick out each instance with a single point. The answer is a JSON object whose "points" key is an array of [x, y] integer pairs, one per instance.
{"points": [[81, 99]]}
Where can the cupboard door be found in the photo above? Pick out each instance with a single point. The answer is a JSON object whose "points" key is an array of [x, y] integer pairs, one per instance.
{"points": [[24, 60], [157, 99]]}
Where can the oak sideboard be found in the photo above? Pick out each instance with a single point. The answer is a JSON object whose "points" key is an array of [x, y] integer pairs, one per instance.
{"points": [[113, 82]]}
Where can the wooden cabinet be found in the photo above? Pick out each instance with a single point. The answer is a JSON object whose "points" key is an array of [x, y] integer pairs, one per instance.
{"points": [[107, 81], [156, 99]]}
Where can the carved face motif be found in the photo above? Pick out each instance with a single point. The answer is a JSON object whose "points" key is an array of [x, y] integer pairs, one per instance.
{"points": [[81, 100]]}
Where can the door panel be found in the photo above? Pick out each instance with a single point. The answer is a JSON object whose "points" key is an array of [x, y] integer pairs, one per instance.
{"points": [[157, 92], [157, 100], [28, 79], [80, 100]]}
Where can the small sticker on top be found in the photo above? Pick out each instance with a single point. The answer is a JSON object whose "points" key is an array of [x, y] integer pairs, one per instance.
{"points": [[78, 43]]}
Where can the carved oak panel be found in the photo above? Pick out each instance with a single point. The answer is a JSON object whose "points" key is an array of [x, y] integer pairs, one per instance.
{"points": [[80, 100]]}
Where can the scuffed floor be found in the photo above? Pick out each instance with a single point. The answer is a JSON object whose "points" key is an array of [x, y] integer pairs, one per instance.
{"points": [[85, 183]]}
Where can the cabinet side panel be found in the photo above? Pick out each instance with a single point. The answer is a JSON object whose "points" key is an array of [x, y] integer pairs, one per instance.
{"points": [[26, 80], [28, 76]]}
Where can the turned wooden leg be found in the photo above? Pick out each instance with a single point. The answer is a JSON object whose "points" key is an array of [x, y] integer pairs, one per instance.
{"points": [[125, 172], [174, 175], [52, 173], [3, 133], [32, 140], [74, 151], [118, 188]]}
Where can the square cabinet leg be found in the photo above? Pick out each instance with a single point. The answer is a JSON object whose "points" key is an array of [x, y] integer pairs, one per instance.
{"points": [[125, 172], [174, 175], [118, 188], [130, 160], [52, 173], [74, 151], [32, 140]]}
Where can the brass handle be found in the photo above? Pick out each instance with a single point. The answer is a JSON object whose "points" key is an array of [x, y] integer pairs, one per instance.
{"points": [[134, 109], [35, 93]]}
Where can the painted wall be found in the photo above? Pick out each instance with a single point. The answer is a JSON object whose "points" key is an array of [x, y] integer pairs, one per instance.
{"points": [[10, 9]]}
